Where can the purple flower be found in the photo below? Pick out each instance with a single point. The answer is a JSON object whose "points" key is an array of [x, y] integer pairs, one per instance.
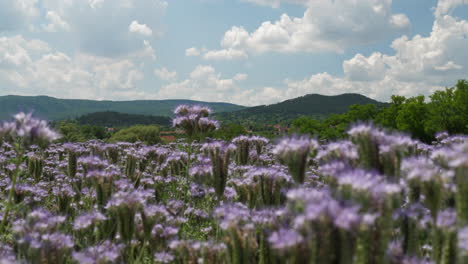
{"points": [[107, 252], [30, 130], [7, 254], [420, 169], [232, 215], [285, 239], [87, 219], [163, 257], [463, 239], [130, 199], [342, 150], [446, 219], [293, 152], [194, 119]]}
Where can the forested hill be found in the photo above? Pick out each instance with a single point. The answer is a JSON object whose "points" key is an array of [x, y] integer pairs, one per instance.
{"points": [[115, 119], [51, 108], [311, 105]]}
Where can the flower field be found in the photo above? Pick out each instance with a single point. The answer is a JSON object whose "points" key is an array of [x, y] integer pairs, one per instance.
{"points": [[377, 197]]}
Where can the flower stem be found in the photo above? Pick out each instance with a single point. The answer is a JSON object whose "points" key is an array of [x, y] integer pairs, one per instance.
{"points": [[19, 158]]}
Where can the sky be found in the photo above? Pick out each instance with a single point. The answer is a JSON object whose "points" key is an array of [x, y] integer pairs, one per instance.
{"points": [[247, 52]]}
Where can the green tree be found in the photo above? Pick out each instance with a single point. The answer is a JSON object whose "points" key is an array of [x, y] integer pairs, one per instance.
{"points": [[229, 131], [387, 117], [362, 112], [412, 118], [70, 131], [307, 125], [147, 134]]}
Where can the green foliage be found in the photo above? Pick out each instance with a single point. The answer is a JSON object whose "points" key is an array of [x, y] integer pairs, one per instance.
{"points": [[229, 131], [147, 134], [447, 110], [314, 105], [58, 109], [412, 117], [71, 131], [115, 119]]}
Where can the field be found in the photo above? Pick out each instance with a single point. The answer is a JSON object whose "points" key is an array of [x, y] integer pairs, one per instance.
{"points": [[375, 197]]}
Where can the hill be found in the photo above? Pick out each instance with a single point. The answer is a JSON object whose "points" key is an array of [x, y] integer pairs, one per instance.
{"points": [[315, 105], [51, 108], [115, 119]]}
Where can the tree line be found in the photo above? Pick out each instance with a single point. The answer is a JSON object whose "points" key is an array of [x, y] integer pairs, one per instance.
{"points": [[444, 110]]}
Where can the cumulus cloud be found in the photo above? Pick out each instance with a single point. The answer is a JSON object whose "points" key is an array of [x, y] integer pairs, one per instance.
{"points": [[329, 25], [17, 14], [225, 54], [31, 67], [420, 65], [445, 6], [203, 83], [192, 52], [104, 27], [56, 23], [165, 74], [142, 29], [275, 3], [240, 77]]}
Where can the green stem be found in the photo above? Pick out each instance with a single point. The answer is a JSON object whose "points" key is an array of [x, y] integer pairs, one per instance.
{"points": [[12, 191]]}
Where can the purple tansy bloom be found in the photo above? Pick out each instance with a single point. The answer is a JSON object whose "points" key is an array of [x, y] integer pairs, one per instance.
{"points": [[463, 240], [107, 252], [294, 152], [446, 219], [163, 257], [232, 215], [194, 119], [420, 169], [31, 130], [87, 219], [219, 153], [285, 239], [131, 199], [57, 241], [341, 150], [7, 254], [91, 163], [202, 171], [348, 218]]}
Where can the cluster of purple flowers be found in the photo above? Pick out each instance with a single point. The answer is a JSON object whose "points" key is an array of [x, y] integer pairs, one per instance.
{"points": [[378, 197], [194, 120]]}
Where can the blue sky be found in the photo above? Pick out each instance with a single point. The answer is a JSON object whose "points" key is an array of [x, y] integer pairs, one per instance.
{"points": [[247, 52]]}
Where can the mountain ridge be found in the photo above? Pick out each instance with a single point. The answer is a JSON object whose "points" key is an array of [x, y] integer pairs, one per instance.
{"points": [[51, 108], [315, 105]]}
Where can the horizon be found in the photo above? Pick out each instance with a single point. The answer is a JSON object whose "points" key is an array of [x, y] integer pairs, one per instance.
{"points": [[196, 101], [244, 52]]}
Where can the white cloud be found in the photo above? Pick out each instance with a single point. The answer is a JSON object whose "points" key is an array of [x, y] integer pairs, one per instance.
{"points": [[31, 67], [104, 27], [240, 77], [361, 68], [327, 25], [16, 51], [203, 83], [16, 14], [444, 6], [143, 29], [420, 65], [192, 52], [95, 3], [56, 23], [225, 54], [275, 3], [165, 74]]}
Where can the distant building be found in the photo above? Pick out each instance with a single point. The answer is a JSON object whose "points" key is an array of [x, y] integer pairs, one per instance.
{"points": [[169, 138]]}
